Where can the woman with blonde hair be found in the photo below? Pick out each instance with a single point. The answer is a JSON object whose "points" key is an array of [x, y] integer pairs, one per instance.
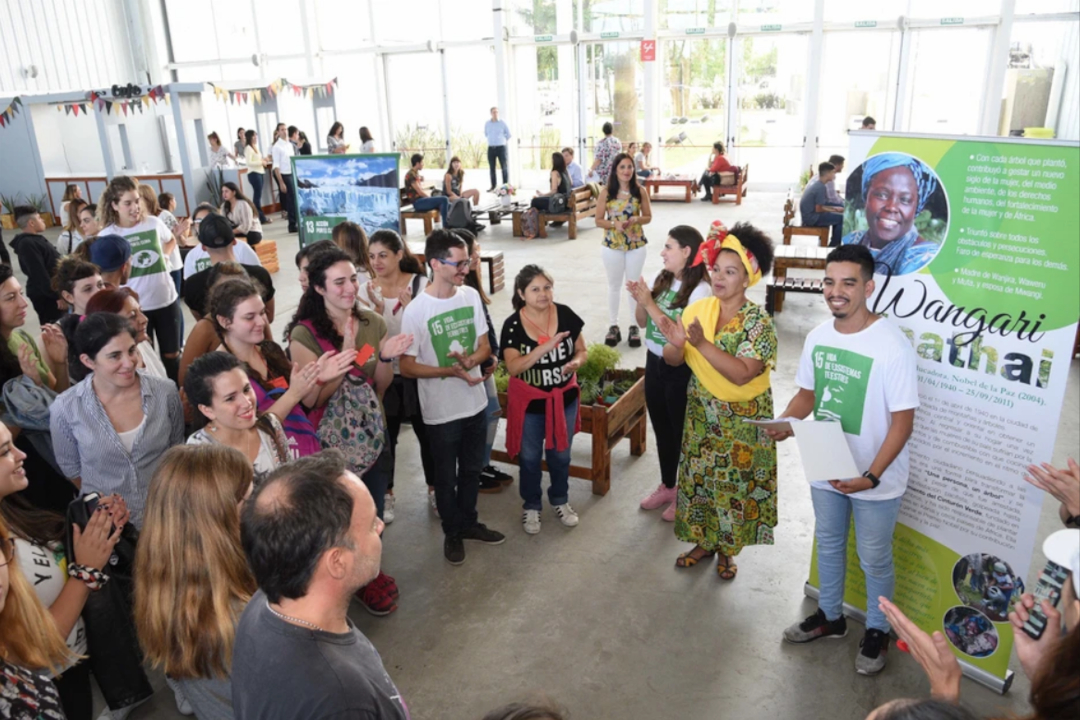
{"points": [[30, 644], [192, 581], [70, 238], [351, 238]]}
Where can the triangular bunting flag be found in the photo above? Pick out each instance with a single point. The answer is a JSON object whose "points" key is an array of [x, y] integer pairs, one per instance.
{"points": [[258, 97], [166, 99], [146, 101], [67, 109], [74, 109], [16, 101], [310, 93], [245, 97], [3, 120], [108, 107], [83, 107], [124, 105]]}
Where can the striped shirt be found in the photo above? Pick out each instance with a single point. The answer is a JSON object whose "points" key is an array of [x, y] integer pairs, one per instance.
{"points": [[87, 446]]}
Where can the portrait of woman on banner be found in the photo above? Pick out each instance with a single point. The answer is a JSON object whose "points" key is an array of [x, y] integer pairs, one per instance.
{"points": [[897, 207]]}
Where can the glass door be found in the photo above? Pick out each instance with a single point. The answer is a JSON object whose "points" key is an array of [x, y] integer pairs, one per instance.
{"points": [[545, 108], [946, 82], [614, 81], [415, 103], [771, 85], [693, 103]]}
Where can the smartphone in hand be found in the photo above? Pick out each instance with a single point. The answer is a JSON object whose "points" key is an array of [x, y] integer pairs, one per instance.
{"points": [[1048, 587]]}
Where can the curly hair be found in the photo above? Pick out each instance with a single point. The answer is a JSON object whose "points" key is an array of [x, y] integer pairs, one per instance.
{"points": [[70, 270], [108, 215], [757, 242], [312, 307]]}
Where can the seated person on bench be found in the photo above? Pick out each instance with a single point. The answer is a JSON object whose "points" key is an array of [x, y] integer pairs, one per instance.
{"points": [[718, 163], [415, 193], [560, 183], [830, 187], [454, 180], [577, 178], [641, 162], [815, 207]]}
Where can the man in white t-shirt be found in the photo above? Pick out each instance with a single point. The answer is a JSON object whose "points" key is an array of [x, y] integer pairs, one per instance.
{"points": [[282, 153], [857, 369], [450, 331]]}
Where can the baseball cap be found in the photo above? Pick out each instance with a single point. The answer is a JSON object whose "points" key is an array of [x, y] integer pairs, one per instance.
{"points": [[216, 232], [1063, 548], [110, 252]]}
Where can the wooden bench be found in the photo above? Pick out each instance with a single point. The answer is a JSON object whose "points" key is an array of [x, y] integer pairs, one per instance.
{"points": [[430, 217], [738, 189], [580, 205], [794, 257], [822, 233], [776, 287]]}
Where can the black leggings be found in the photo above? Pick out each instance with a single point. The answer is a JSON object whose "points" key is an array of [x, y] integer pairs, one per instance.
{"points": [[393, 428], [76, 696], [665, 398], [165, 325]]}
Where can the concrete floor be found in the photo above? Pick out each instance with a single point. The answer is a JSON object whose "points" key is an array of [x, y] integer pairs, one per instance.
{"points": [[597, 617]]}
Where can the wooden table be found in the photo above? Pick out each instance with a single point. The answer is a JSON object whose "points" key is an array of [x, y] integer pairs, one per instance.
{"points": [[793, 257], [655, 182]]}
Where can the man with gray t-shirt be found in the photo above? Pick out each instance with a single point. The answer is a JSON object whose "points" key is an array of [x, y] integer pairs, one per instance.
{"points": [[297, 654], [816, 207]]}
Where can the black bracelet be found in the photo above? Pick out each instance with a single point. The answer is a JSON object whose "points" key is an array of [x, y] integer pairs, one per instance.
{"points": [[385, 360], [874, 482]]}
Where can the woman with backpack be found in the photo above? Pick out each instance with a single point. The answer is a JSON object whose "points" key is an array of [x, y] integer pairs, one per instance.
{"points": [[559, 185]]}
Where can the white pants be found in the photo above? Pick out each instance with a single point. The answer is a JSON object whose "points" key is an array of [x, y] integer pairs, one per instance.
{"points": [[621, 265]]}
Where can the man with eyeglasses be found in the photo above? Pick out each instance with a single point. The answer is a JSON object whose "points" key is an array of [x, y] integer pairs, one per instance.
{"points": [[450, 342]]}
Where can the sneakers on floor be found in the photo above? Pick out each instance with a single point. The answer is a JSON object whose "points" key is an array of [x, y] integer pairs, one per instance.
{"points": [[454, 550], [530, 521], [376, 598], [496, 474], [658, 498], [489, 485], [388, 583], [613, 337], [432, 504], [669, 512], [567, 515], [634, 337], [815, 627], [482, 533], [871, 658], [388, 508]]}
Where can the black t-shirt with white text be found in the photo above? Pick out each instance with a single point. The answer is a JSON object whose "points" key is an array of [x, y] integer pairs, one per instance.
{"points": [[546, 374]]}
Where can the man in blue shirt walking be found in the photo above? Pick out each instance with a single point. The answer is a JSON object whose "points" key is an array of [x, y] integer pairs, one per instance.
{"points": [[497, 134]]}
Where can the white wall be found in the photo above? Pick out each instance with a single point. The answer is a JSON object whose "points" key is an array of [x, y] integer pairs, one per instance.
{"points": [[69, 145], [20, 169], [1068, 127], [73, 44]]}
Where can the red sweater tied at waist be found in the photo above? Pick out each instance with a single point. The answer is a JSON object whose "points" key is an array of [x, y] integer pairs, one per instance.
{"points": [[518, 396]]}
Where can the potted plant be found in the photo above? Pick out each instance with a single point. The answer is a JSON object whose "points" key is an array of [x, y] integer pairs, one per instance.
{"points": [[506, 193], [8, 203], [41, 204]]}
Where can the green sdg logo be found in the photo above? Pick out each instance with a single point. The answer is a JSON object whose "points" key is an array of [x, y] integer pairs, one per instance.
{"points": [[145, 259]]}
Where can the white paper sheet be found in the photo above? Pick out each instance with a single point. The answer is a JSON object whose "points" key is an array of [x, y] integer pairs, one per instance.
{"points": [[824, 450]]}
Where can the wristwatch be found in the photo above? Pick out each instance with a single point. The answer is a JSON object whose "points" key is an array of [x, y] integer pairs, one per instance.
{"points": [[873, 479]]}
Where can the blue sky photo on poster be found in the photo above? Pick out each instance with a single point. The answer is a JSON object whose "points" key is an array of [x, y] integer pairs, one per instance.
{"points": [[334, 188]]}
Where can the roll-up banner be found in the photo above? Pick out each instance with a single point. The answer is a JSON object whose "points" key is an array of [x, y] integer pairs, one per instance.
{"points": [[983, 280], [331, 189]]}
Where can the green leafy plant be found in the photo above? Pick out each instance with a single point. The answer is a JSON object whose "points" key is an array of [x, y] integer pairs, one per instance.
{"points": [[422, 139], [502, 378], [39, 203], [601, 358], [471, 148], [804, 180], [10, 202]]}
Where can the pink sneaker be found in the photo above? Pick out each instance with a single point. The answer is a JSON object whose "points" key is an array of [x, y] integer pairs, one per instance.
{"points": [[658, 498], [669, 513]]}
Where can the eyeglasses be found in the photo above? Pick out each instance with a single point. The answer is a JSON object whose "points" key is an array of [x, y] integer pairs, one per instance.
{"points": [[7, 549], [457, 264]]}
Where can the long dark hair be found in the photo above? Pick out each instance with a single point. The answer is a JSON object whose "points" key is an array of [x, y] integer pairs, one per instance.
{"points": [[558, 162], [365, 135], [222, 302], [525, 276], [199, 387], [239, 194], [351, 238], [30, 523], [312, 307], [95, 332], [473, 278], [460, 174], [249, 138], [691, 276], [334, 130], [392, 241], [613, 178]]}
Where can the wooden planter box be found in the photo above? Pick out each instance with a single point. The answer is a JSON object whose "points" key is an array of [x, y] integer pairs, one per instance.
{"points": [[7, 221], [608, 424]]}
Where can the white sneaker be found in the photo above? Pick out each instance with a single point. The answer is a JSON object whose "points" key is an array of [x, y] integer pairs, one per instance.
{"points": [[182, 704], [388, 509], [431, 502], [530, 520], [567, 515]]}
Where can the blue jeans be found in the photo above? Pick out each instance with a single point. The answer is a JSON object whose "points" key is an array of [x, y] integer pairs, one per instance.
{"points": [[532, 451], [256, 180], [431, 203], [836, 222], [457, 447], [497, 152], [874, 524], [377, 478]]}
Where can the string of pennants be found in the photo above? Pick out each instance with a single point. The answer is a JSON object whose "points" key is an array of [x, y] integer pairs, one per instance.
{"points": [[10, 111], [125, 105], [274, 89]]}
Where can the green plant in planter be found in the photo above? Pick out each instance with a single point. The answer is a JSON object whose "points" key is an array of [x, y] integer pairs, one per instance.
{"points": [[600, 360], [10, 202], [39, 203], [502, 378], [590, 391]]}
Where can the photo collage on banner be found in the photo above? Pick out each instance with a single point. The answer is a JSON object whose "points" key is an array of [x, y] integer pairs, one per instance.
{"points": [[977, 257], [331, 189]]}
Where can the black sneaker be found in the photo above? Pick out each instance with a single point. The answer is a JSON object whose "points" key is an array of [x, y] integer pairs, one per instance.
{"points": [[489, 485], [482, 533], [871, 659], [496, 474], [815, 627], [454, 549], [613, 337], [633, 339]]}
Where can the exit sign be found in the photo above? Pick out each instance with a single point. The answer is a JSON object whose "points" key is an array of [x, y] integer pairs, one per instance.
{"points": [[609, 34], [543, 38], [952, 21], [771, 28], [866, 23], [695, 31]]}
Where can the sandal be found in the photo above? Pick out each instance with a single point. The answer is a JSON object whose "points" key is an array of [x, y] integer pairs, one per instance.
{"points": [[689, 559], [726, 571]]}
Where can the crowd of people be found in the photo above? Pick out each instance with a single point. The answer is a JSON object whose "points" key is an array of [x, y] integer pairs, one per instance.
{"points": [[216, 513]]}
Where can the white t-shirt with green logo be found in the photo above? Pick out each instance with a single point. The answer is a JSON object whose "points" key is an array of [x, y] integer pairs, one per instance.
{"points": [[440, 327], [149, 264], [654, 339], [860, 379]]}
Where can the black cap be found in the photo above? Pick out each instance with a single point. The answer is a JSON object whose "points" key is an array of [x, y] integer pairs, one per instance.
{"points": [[216, 232]]}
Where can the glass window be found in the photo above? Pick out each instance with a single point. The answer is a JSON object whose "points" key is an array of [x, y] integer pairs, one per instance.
{"points": [[855, 10], [614, 16], [416, 118], [356, 100], [1038, 52], [545, 106], [614, 81], [1027, 7], [946, 81], [681, 14], [693, 102], [279, 25], [470, 80], [753, 12], [416, 21], [771, 87], [342, 26], [953, 8], [467, 20], [858, 70], [230, 35]]}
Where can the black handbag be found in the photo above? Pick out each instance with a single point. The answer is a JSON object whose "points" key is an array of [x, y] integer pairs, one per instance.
{"points": [[115, 657], [557, 204]]}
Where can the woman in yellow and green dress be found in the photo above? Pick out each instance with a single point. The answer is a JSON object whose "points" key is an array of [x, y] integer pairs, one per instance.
{"points": [[727, 472]]}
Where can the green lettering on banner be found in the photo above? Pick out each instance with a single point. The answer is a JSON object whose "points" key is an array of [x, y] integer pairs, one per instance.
{"points": [[840, 381], [319, 227], [146, 255], [952, 21], [652, 332], [609, 34], [695, 31], [771, 28], [453, 331], [543, 38], [866, 23]]}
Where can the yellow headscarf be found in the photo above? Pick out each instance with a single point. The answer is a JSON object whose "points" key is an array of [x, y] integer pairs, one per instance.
{"points": [[719, 239]]}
